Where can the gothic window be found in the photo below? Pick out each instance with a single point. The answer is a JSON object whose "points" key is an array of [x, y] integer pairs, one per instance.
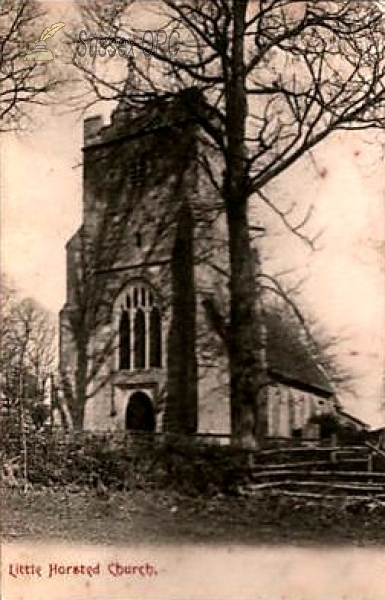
{"points": [[140, 329], [124, 341]]}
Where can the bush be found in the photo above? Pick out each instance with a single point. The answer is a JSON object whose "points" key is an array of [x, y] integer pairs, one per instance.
{"points": [[346, 433], [123, 462], [199, 469]]}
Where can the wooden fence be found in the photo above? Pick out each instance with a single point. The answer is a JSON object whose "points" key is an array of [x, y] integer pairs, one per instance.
{"points": [[357, 471]]}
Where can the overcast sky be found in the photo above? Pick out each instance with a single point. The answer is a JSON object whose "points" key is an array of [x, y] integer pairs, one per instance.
{"points": [[345, 279]]}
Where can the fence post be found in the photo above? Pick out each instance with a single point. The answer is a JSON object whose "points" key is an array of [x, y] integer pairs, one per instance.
{"points": [[370, 462]]}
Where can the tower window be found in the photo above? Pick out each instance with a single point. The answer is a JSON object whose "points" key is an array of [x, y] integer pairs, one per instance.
{"points": [[140, 330]]}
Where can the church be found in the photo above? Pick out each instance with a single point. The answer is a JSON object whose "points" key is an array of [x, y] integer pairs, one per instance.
{"points": [[139, 269]]}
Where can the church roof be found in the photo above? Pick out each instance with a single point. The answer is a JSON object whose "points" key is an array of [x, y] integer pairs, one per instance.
{"points": [[290, 359]]}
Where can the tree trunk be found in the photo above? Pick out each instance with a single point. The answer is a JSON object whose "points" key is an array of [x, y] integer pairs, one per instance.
{"points": [[181, 413], [78, 409], [246, 372], [77, 416], [244, 352]]}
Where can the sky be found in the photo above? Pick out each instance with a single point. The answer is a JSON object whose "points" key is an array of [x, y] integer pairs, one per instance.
{"points": [[344, 281]]}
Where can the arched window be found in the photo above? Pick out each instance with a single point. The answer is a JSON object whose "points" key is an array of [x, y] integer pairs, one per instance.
{"points": [[140, 329], [155, 338], [124, 341]]}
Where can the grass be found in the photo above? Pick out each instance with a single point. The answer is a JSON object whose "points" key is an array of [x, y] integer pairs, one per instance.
{"points": [[155, 516]]}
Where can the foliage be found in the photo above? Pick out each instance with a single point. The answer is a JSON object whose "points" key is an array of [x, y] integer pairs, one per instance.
{"points": [[346, 433], [201, 469], [124, 462]]}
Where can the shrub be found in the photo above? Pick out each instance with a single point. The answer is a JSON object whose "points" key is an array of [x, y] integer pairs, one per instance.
{"points": [[122, 462], [200, 469]]}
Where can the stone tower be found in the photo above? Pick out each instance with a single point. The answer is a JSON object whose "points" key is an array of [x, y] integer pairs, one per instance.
{"points": [[128, 327]]}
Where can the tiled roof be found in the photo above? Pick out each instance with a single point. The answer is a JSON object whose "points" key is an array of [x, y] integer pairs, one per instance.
{"points": [[289, 357]]}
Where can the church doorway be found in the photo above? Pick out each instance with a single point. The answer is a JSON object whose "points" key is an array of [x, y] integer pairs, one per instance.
{"points": [[140, 413]]}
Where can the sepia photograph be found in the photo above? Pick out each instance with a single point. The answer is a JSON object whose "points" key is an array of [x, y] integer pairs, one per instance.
{"points": [[192, 321]]}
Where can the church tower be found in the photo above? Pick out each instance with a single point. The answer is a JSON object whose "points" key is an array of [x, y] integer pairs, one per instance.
{"points": [[128, 327]]}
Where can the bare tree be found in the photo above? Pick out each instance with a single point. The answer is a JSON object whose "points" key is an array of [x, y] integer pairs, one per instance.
{"points": [[271, 80], [22, 83], [28, 345], [27, 360]]}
